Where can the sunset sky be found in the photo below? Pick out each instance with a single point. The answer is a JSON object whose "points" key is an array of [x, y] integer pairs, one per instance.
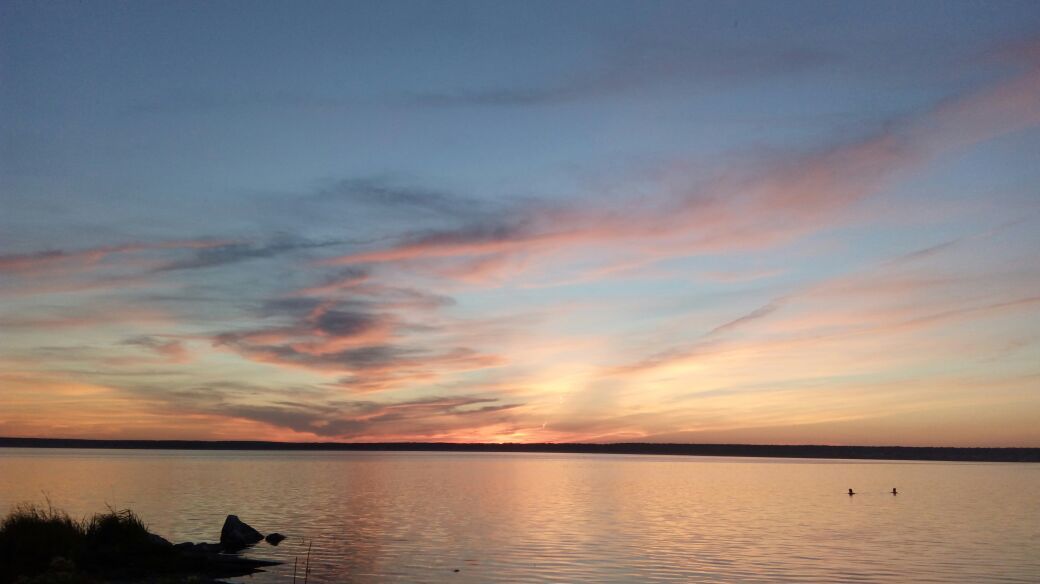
{"points": [[770, 222]]}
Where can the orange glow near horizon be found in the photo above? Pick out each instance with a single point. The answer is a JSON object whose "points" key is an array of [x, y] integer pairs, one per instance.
{"points": [[800, 241]]}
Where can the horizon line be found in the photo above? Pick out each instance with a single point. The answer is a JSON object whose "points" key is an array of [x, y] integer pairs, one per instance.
{"points": [[824, 451]]}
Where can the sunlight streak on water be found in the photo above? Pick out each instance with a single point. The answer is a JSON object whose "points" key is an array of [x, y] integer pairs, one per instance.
{"points": [[418, 517]]}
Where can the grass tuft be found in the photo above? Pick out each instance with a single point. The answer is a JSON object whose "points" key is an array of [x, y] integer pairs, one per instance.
{"points": [[32, 537], [44, 544], [117, 534]]}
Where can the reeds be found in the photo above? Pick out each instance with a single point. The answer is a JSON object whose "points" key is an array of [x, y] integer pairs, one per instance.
{"points": [[306, 566], [34, 537]]}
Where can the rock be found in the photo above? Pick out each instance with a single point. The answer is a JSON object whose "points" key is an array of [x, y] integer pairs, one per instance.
{"points": [[274, 538], [199, 548], [236, 535], [158, 541], [206, 562]]}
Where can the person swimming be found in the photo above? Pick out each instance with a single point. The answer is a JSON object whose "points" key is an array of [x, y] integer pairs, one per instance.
{"points": [[894, 491], [851, 492]]}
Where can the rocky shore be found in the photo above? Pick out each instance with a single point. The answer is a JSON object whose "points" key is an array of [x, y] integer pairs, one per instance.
{"points": [[46, 546]]}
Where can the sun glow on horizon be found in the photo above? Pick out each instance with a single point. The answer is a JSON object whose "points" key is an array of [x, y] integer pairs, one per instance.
{"points": [[642, 232]]}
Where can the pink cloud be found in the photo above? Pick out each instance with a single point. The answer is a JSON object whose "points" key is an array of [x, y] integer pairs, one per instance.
{"points": [[741, 210], [171, 350], [61, 260]]}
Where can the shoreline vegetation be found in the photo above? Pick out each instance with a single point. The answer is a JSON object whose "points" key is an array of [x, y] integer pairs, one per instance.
{"points": [[923, 453], [44, 545]]}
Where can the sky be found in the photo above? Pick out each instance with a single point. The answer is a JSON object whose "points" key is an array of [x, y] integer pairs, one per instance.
{"points": [[753, 222]]}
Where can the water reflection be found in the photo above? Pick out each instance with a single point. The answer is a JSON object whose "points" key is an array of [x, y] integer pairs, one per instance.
{"points": [[539, 517]]}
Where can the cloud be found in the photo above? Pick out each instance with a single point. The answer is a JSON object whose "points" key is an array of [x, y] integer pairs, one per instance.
{"points": [[629, 63], [768, 202], [343, 323], [368, 338], [945, 246], [92, 316], [384, 192], [188, 102], [1018, 52], [94, 269], [233, 253], [424, 418], [379, 322], [368, 367], [644, 64], [927, 251], [741, 276], [974, 310], [474, 239], [338, 283], [758, 313], [316, 413], [172, 350], [877, 304], [59, 283], [706, 344], [61, 259]]}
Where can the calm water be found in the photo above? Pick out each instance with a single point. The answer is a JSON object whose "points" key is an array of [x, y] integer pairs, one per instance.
{"points": [[417, 517]]}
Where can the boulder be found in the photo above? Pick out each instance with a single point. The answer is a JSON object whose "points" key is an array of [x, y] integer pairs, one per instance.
{"points": [[158, 541], [199, 548], [274, 538], [236, 534]]}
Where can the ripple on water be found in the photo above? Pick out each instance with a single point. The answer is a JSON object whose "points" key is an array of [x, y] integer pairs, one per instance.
{"points": [[419, 517]]}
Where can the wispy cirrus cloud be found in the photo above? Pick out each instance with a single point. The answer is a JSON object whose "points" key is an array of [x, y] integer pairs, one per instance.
{"points": [[173, 350], [98, 315], [645, 64], [626, 63], [893, 297], [779, 200], [395, 194], [233, 253], [36, 262]]}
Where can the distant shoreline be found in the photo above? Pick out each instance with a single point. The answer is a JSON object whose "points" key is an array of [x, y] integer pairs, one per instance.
{"points": [[923, 453]]}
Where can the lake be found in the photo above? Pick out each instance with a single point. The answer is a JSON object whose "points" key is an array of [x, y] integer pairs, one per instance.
{"points": [[525, 517]]}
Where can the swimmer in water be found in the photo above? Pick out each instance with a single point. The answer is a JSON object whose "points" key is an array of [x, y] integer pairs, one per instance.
{"points": [[894, 491], [851, 492]]}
